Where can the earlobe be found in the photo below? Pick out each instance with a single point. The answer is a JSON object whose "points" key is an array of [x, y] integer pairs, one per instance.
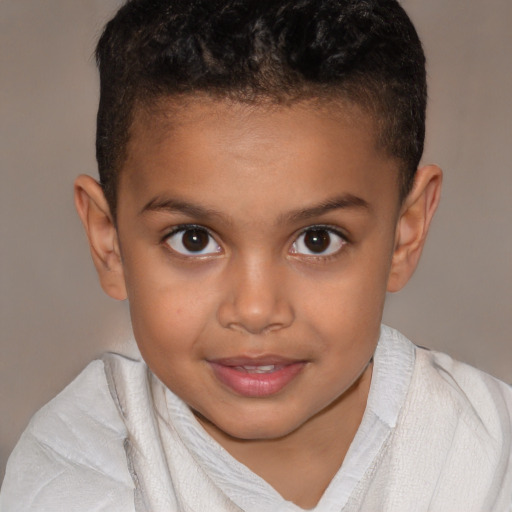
{"points": [[412, 227], [94, 212]]}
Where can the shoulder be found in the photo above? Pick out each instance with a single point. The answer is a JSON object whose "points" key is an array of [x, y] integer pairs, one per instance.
{"points": [[71, 456], [451, 448], [446, 385], [465, 417], [477, 396]]}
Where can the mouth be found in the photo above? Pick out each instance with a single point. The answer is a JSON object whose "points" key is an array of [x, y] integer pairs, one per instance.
{"points": [[256, 377], [269, 368]]}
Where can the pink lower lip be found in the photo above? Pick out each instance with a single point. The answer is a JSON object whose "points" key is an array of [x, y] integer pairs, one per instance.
{"points": [[256, 385]]}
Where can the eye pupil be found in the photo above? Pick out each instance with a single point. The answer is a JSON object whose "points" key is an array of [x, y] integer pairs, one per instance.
{"points": [[195, 240], [317, 240]]}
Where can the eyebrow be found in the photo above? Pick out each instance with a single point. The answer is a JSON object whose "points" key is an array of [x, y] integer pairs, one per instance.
{"points": [[172, 205], [346, 201]]}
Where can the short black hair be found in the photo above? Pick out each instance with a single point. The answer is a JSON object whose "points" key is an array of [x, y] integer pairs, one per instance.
{"points": [[366, 51]]}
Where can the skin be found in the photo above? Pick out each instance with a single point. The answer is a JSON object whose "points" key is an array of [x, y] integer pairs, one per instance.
{"points": [[258, 178]]}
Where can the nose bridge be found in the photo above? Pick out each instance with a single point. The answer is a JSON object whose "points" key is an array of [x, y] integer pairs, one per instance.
{"points": [[255, 299]]}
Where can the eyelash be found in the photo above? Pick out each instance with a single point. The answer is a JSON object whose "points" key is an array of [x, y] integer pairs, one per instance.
{"points": [[332, 231], [343, 240], [190, 227]]}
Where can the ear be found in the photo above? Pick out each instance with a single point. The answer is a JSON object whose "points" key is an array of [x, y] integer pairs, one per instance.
{"points": [[101, 232], [413, 224]]}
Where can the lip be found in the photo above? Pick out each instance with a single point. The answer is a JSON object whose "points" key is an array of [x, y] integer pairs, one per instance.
{"points": [[249, 383]]}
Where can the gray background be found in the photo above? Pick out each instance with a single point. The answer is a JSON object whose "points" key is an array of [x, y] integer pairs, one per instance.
{"points": [[54, 316]]}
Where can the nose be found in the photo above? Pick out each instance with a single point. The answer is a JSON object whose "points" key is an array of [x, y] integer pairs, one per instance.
{"points": [[255, 299]]}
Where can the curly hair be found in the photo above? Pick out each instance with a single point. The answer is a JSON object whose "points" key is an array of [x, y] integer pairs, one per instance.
{"points": [[366, 51]]}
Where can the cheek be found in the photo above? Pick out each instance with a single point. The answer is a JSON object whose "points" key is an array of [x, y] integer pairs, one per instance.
{"points": [[344, 313], [346, 300], [167, 312], [168, 328]]}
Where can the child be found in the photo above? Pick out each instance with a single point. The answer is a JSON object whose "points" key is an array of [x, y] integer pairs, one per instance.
{"points": [[259, 194]]}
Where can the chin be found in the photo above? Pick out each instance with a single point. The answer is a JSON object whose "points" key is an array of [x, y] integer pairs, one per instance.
{"points": [[258, 429]]}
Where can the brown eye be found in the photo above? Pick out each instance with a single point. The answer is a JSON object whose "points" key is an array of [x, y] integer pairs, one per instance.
{"points": [[193, 241], [318, 242]]}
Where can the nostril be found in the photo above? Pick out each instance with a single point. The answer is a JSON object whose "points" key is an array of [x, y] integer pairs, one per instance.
{"points": [[275, 316], [256, 299], [248, 329]]}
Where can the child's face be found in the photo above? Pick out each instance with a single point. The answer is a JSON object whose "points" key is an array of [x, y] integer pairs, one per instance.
{"points": [[256, 249]]}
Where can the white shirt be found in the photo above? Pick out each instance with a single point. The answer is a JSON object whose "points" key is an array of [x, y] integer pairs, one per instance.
{"points": [[435, 436]]}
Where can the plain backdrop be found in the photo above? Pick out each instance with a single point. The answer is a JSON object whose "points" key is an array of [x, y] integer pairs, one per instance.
{"points": [[54, 316]]}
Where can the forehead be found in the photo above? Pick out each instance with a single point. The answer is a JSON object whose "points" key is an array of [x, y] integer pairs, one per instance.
{"points": [[199, 117], [193, 112], [228, 148]]}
